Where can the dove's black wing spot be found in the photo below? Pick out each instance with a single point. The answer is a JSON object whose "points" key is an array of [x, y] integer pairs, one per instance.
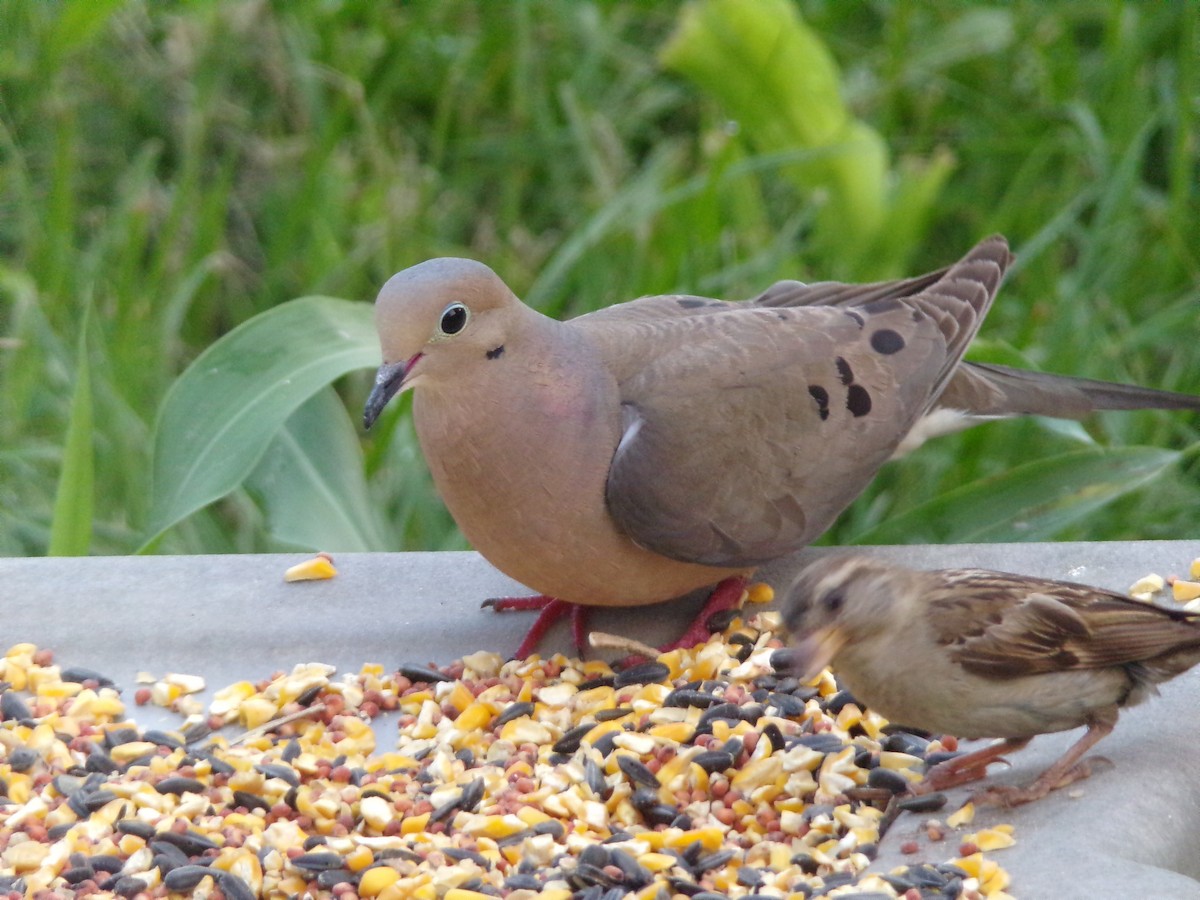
{"points": [[858, 401], [859, 320], [496, 352], [886, 341], [691, 303], [821, 395], [845, 373]]}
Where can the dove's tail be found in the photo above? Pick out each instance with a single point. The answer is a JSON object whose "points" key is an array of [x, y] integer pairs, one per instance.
{"points": [[989, 390], [978, 392]]}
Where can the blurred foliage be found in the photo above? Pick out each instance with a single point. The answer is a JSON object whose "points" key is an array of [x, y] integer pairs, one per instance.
{"points": [[179, 168]]}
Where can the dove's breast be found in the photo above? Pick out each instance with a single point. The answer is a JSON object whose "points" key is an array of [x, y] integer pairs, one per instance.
{"points": [[521, 460]]}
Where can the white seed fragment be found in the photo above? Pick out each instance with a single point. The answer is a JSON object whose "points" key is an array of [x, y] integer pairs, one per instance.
{"points": [[1146, 586]]}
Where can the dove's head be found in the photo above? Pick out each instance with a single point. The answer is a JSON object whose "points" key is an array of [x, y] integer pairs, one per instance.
{"points": [[436, 320], [835, 601]]}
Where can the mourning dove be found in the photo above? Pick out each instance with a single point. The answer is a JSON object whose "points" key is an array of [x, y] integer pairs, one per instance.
{"points": [[976, 653], [641, 451]]}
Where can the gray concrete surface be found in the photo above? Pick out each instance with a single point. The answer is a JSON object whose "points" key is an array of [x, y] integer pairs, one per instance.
{"points": [[1129, 831]]}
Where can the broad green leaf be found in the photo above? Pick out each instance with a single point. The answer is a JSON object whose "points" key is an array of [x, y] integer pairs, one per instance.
{"points": [[74, 501], [1032, 502], [311, 483], [222, 412]]}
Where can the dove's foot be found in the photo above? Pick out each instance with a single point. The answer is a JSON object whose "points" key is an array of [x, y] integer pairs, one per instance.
{"points": [[724, 596], [551, 609]]}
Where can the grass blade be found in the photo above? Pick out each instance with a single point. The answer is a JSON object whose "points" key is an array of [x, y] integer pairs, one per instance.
{"points": [[74, 500]]}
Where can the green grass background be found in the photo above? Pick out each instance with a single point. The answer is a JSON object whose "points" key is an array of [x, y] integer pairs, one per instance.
{"points": [[169, 170]]}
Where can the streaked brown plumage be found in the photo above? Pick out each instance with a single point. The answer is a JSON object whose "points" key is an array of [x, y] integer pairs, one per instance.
{"points": [[977, 653], [653, 447]]}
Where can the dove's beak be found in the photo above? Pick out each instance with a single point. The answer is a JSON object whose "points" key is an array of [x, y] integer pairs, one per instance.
{"points": [[806, 658], [389, 381]]}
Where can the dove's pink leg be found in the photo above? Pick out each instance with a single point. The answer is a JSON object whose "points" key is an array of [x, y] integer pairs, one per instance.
{"points": [[724, 596], [551, 610]]}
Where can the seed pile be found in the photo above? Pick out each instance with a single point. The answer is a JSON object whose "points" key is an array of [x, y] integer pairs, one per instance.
{"points": [[699, 774]]}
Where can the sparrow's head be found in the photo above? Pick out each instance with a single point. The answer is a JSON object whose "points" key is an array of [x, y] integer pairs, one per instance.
{"points": [[835, 601]]}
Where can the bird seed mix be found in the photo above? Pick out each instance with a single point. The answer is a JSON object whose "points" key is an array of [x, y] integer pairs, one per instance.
{"points": [[701, 774]]}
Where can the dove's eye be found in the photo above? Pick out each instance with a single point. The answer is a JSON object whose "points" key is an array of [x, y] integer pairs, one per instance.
{"points": [[454, 319]]}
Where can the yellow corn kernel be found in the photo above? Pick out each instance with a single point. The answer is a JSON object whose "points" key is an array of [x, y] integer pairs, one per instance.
{"points": [[531, 815], [1183, 591], [991, 839], [318, 568], [255, 711], [710, 838], [460, 696], [657, 862], [474, 716], [374, 880], [760, 592], [497, 826], [124, 753], [359, 858], [414, 824], [964, 815], [678, 732], [464, 894]]}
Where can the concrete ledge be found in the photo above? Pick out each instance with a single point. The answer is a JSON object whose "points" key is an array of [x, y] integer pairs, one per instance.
{"points": [[1127, 831]]}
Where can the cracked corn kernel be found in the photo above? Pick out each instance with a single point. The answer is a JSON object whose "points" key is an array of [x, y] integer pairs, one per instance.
{"points": [[374, 880], [1146, 586], [964, 815], [760, 593], [318, 568], [1183, 591]]}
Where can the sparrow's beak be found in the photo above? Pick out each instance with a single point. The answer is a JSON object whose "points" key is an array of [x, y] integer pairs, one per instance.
{"points": [[388, 382], [809, 656]]}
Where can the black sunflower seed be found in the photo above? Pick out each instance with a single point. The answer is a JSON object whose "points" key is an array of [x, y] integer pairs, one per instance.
{"points": [[651, 672], [317, 862], [250, 801], [570, 741], [888, 779], [684, 697], [13, 707], [178, 784], [416, 673], [635, 770], [190, 842], [514, 711], [277, 770], [922, 802], [78, 675], [713, 761]]}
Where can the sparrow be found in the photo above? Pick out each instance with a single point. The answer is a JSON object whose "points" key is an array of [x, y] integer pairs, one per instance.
{"points": [[978, 653]]}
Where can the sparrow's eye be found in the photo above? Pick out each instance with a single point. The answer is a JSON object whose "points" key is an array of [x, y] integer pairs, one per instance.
{"points": [[833, 602], [454, 319]]}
